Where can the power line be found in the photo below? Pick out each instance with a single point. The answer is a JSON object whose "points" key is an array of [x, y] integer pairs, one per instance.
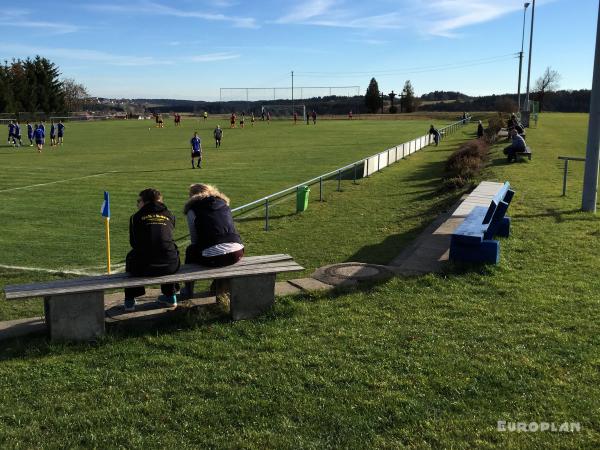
{"points": [[457, 65]]}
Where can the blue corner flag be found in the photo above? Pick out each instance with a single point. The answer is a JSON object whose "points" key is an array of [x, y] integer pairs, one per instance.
{"points": [[106, 205]]}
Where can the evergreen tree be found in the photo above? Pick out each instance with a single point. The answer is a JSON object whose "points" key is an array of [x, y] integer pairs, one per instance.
{"points": [[409, 102], [372, 100]]}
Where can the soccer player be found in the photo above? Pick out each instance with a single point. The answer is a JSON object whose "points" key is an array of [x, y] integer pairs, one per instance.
{"points": [[11, 131], [295, 117], [61, 132], [17, 134], [232, 120], [161, 123], [30, 134], [314, 117], [268, 117], [205, 115], [218, 133], [350, 115], [52, 134], [307, 117], [196, 144], [242, 119], [252, 120], [39, 135]]}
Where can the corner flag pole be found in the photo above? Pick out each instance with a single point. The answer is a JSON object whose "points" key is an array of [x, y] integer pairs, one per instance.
{"points": [[106, 214]]}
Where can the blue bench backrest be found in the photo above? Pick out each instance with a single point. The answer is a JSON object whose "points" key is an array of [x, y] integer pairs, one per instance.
{"points": [[505, 194]]}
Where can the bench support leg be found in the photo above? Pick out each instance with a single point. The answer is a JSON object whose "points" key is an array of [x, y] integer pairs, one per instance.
{"points": [[249, 297], [75, 317]]}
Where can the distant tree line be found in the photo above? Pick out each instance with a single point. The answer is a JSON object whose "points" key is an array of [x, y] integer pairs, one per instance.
{"points": [[556, 101], [34, 85], [440, 96]]}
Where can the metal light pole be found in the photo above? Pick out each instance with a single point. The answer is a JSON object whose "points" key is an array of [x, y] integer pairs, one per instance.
{"points": [[527, 108], [592, 154], [526, 5], [293, 110]]}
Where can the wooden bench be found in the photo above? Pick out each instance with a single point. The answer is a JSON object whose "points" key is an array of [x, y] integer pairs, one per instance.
{"points": [[526, 153], [472, 240], [74, 309]]}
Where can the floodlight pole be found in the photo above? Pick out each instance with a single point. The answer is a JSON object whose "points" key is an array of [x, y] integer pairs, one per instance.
{"points": [[527, 107], [293, 110], [592, 154], [526, 5]]}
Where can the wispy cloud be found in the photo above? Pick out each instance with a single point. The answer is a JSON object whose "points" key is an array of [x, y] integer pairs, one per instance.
{"points": [[73, 54], [209, 57], [338, 13], [20, 18], [152, 8], [433, 17]]}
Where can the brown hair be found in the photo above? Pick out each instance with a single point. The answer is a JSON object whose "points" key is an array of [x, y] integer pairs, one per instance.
{"points": [[150, 195]]}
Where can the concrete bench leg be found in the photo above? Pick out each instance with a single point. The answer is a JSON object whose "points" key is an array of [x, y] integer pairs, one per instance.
{"points": [[249, 297], [75, 317]]}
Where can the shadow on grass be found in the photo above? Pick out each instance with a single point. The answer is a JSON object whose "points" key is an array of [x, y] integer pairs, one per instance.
{"points": [[560, 216]]}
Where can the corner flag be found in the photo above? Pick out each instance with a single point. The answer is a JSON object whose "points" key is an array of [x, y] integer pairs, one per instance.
{"points": [[106, 214], [106, 205]]}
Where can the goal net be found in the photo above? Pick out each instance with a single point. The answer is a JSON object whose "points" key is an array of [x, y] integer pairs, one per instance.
{"points": [[284, 111]]}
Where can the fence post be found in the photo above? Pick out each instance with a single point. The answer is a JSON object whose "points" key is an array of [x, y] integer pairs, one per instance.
{"points": [[354, 173], [339, 180], [266, 214], [565, 177], [378, 158], [403, 157], [396, 154], [320, 189]]}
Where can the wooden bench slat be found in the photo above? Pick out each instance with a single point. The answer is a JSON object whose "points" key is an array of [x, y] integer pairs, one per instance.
{"points": [[252, 260], [191, 273]]}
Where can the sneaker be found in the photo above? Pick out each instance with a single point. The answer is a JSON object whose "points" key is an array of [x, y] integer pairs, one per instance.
{"points": [[168, 300], [129, 304]]}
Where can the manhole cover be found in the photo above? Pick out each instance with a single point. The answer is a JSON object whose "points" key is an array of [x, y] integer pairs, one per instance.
{"points": [[352, 273]]}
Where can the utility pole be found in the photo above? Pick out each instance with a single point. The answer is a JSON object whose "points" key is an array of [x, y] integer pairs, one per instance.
{"points": [[592, 154], [293, 110], [527, 108], [526, 5]]}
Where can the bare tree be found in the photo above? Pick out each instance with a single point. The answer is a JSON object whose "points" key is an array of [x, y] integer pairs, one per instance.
{"points": [[75, 94], [548, 82]]}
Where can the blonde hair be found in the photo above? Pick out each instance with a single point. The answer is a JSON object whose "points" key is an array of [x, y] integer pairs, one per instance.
{"points": [[207, 190]]}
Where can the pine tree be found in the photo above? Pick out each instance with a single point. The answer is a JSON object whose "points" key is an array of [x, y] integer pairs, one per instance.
{"points": [[409, 102], [372, 100]]}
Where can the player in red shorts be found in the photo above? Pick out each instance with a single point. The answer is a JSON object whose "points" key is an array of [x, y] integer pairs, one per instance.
{"points": [[232, 121]]}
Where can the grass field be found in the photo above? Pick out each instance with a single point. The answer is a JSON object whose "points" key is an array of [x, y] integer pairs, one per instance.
{"points": [[52, 200], [425, 362]]}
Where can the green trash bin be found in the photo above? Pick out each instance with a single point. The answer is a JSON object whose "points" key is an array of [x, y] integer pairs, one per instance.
{"points": [[302, 198]]}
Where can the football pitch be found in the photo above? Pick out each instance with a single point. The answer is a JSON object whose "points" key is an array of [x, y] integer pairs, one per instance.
{"points": [[51, 216]]}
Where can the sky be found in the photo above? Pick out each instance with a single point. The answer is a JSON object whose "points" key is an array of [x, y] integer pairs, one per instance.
{"points": [[189, 49]]}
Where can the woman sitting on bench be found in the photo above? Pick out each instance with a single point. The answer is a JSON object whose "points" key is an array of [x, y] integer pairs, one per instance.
{"points": [[153, 249], [214, 239]]}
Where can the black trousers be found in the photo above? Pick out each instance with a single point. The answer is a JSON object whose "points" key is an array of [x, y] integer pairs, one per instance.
{"points": [[139, 268]]}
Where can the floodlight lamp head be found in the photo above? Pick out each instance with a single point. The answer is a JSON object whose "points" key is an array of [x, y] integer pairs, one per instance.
{"points": [[526, 4]]}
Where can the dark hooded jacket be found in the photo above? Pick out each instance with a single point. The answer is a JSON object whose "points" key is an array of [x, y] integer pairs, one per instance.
{"points": [[213, 223], [151, 238]]}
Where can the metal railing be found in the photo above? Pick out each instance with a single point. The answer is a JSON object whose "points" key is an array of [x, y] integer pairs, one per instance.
{"points": [[407, 149], [566, 159]]}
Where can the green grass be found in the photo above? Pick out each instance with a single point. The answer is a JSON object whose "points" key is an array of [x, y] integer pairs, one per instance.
{"points": [[59, 225], [424, 362]]}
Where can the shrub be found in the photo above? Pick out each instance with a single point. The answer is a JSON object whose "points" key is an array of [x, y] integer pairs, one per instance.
{"points": [[495, 124], [465, 163]]}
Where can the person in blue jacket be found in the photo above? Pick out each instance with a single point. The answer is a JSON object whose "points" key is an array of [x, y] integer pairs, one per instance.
{"points": [[39, 136], [61, 132], [30, 134]]}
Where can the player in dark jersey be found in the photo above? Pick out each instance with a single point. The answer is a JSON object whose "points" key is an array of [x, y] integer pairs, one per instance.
{"points": [[52, 134], [242, 119], [218, 134], [196, 145], [61, 132], [11, 131], [39, 136], [17, 135], [232, 120], [30, 134]]}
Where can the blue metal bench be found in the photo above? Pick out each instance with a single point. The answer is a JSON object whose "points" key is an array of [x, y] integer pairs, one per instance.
{"points": [[472, 241]]}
